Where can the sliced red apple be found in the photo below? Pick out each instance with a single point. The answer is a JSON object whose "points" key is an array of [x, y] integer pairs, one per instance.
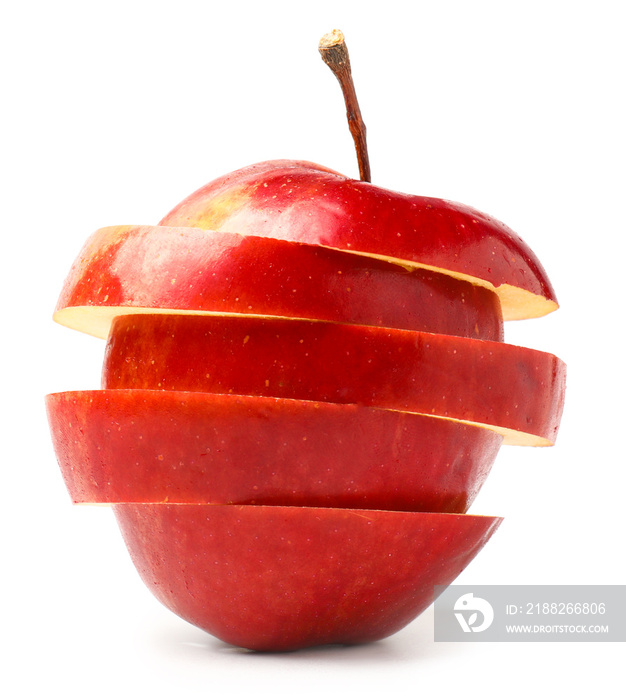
{"points": [[301, 201], [516, 391], [134, 446], [281, 578], [152, 269]]}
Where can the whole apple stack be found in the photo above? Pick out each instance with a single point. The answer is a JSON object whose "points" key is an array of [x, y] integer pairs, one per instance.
{"points": [[305, 385]]}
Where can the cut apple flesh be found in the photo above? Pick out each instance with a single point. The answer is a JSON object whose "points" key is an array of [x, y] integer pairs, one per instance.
{"points": [[282, 578], [513, 390], [134, 446], [132, 269], [301, 201]]}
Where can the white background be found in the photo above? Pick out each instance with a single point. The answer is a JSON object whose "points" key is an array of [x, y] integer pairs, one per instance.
{"points": [[113, 112]]}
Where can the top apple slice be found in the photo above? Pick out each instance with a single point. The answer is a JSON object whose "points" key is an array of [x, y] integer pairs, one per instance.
{"points": [[305, 202], [163, 269]]}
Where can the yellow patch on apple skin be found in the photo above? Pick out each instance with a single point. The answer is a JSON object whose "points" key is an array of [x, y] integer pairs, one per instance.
{"points": [[223, 206], [97, 245]]}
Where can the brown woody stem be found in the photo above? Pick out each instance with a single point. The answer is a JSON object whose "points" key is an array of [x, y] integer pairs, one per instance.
{"points": [[334, 52]]}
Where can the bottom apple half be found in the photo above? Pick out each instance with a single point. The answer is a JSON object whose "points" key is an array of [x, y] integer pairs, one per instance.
{"points": [[280, 578]]}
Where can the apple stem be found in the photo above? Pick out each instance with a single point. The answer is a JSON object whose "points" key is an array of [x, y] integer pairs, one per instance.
{"points": [[334, 53]]}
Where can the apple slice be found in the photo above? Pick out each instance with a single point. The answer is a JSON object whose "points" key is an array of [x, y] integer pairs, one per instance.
{"points": [[134, 446], [130, 269], [302, 201], [514, 390], [273, 578]]}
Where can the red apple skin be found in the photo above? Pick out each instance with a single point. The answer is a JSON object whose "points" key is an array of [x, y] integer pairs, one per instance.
{"points": [[134, 446], [283, 578], [302, 201], [515, 390], [128, 269]]}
